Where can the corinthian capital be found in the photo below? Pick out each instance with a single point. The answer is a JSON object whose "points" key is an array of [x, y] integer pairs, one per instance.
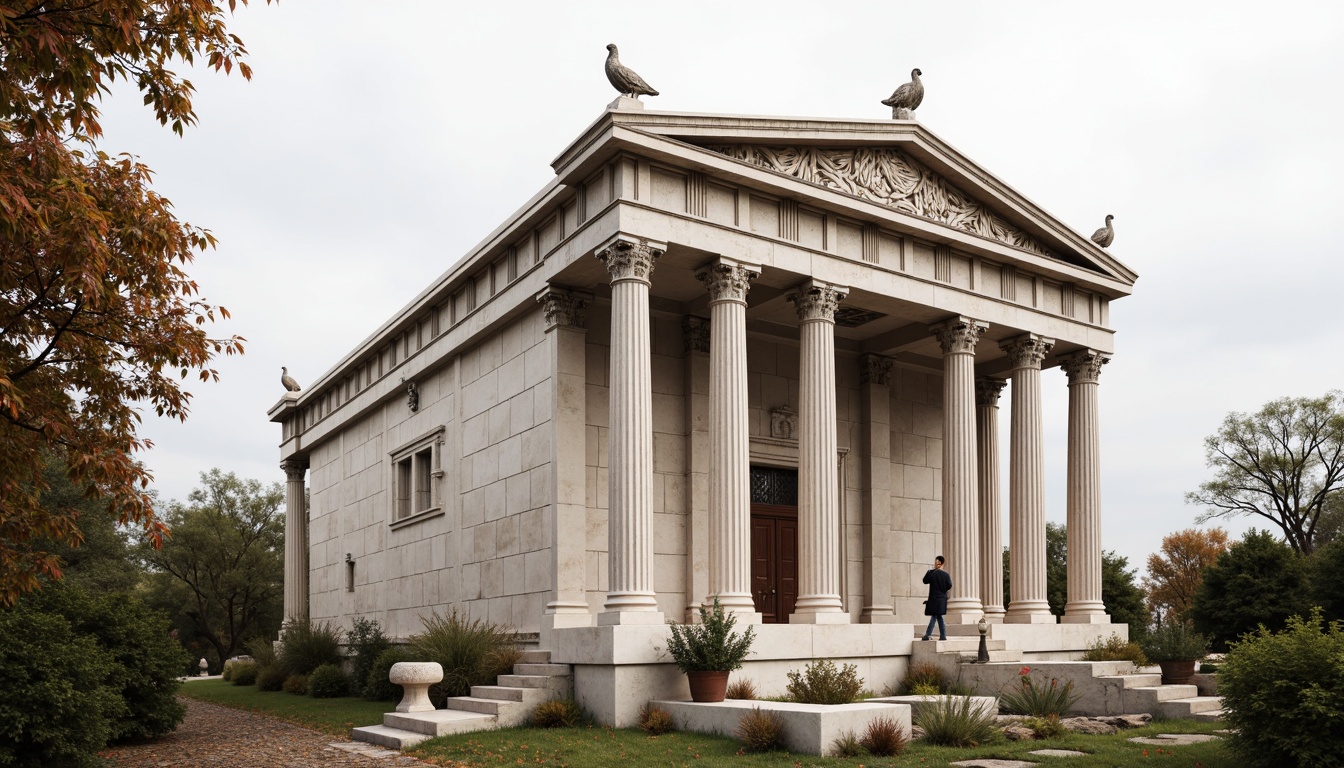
{"points": [[959, 335], [695, 332], [816, 300], [987, 391], [1027, 350], [564, 307], [1084, 367], [875, 369], [630, 258], [294, 469], [728, 280]]}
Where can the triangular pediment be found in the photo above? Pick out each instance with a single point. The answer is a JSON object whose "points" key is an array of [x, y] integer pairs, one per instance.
{"points": [[887, 176]]}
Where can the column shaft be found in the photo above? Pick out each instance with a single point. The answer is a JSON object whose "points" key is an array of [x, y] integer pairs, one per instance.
{"points": [[991, 535], [818, 483], [1084, 604], [729, 438], [1026, 485], [958, 338], [296, 540], [630, 593], [875, 391]]}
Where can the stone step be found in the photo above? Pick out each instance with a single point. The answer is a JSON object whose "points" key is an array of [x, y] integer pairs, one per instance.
{"points": [[531, 668], [1006, 655], [526, 681], [1165, 692], [959, 644], [535, 657], [1137, 680], [1209, 715], [1187, 708], [484, 705], [383, 736], [510, 693], [439, 722]]}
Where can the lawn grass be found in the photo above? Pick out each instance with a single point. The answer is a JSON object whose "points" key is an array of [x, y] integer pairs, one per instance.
{"points": [[596, 746], [333, 716]]}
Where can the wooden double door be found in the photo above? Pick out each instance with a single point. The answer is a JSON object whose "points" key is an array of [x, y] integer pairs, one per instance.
{"points": [[774, 542]]}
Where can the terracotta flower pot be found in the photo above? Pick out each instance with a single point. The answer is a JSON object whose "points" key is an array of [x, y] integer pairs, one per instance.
{"points": [[1177, 672], [708, 686]]}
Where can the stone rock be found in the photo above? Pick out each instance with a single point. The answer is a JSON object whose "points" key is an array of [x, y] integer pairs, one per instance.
{"points": [[1126, 721], [1088, 726], [991, 763], [1019, 733], [1058, 753], [1174, 739]]}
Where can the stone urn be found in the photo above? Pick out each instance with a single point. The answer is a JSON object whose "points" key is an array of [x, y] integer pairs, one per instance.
{"points": [[415, 677], [1177, 672], [708, 685]]}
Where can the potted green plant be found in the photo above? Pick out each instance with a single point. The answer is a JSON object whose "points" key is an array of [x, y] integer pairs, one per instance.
{"points": [[1176, 648], [707, 652]]}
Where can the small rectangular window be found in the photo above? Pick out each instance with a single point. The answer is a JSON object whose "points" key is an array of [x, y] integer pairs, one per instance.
{"points": [[416, 477], [404, 476]]}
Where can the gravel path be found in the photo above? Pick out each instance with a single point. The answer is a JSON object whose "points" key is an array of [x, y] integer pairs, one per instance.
{"points": [[220, 737]]}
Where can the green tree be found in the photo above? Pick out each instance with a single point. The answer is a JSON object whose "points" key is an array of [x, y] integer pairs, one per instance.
{"points": [[104, 560], [1258, 580], [1325, 570], [98, 317], [1282, 463], [223, 567], [1175, 574], [1122, 596]]}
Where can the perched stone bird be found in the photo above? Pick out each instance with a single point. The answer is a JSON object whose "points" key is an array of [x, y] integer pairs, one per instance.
{"points": [[907, 98], [623, 78], [289, 382], [1106, 234]]}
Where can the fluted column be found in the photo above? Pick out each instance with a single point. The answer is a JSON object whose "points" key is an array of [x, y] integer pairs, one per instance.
{"points": [[1084, 604], [1026, 484], [987, 392], [818, 483], [565, 312], [875, 399], [729, 438], [296, 540], [630, 595], [958, 338]]}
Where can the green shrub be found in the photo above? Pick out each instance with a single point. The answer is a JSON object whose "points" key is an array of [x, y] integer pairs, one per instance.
{"points": [[557, 713], [296, 684], [711, 645], [1048, 727], [376, 686], [924, 675], [821, 683], [655, 720], [328, 682], [270, 679], [245, 673], [1175, 641], [742, 688], [1258, 580], [1283, 695], [847, 745], [761, 730], [364, 642], [955, 721], [1115, 649], [1027, 698], [884, 737], [472, 652], [227, 673], [305, 646], [262, 651]]}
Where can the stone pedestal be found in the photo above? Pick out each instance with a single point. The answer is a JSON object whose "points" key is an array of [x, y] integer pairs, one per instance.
{"points": [[415, 677], [1084, 604], [1026, 484]]}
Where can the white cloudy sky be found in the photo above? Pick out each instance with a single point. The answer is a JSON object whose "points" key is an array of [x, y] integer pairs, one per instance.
{"points": [[379, 141]]}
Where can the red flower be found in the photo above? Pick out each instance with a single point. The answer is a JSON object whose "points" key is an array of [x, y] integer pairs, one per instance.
{"points": [[1025, 670]]}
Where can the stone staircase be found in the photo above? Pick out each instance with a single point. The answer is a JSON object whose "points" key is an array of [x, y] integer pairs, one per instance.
{"points": [[1105, 687], [508, 703]]}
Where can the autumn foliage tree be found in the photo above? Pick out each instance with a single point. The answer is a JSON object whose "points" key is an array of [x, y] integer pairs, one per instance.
{"points": [[98, 316], [1174, 575]]}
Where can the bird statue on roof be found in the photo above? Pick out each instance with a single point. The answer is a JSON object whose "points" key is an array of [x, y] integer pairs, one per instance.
{"points": [[290, 384], [1106, 235], [623, 78], [907, 98]]}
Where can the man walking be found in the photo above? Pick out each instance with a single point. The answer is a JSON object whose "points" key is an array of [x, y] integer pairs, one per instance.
{"points": [[939, 585]]}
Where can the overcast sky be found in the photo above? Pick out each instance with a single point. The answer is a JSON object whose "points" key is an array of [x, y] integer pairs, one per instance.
{"points": [[377, 143]]}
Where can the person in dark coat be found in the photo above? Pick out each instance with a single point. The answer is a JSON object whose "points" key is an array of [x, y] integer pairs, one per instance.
{"points": [[939, 585]]}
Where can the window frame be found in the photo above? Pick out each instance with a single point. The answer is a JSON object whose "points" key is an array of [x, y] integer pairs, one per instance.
{"points": [[415, 480]]}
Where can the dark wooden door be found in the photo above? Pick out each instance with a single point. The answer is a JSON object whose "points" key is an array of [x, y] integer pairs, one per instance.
{"points": [[774, 561]]}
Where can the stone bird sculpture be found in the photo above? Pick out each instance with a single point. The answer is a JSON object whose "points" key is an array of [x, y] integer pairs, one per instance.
{"points": [[1106, 235], [290, 384], [625, 79], [907, 98]]}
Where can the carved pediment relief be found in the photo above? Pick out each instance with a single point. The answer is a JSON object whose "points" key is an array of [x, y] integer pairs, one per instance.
{"points": [[889, 177]]}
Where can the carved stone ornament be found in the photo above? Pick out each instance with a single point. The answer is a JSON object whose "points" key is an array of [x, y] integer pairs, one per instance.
{"points": [[1027, 351], [412, 396], [728, 280], [629, 259], [987, 391], [563, 307], [783, 423], [294, 469], [695, 330], [891, 178], [959, 336], [1084, 367], [817, 301], [875, 369]]}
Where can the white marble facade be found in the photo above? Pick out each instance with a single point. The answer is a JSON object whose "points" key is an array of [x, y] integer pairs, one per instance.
{"points": [[585, 328]]}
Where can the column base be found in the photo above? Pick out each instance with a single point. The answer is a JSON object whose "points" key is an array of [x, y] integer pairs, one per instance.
{"points": [[569, 616], [1089, 612], [1033, 612], [994, 614], [878, 614], [829, 617], [614, 618], [963, 617]]}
